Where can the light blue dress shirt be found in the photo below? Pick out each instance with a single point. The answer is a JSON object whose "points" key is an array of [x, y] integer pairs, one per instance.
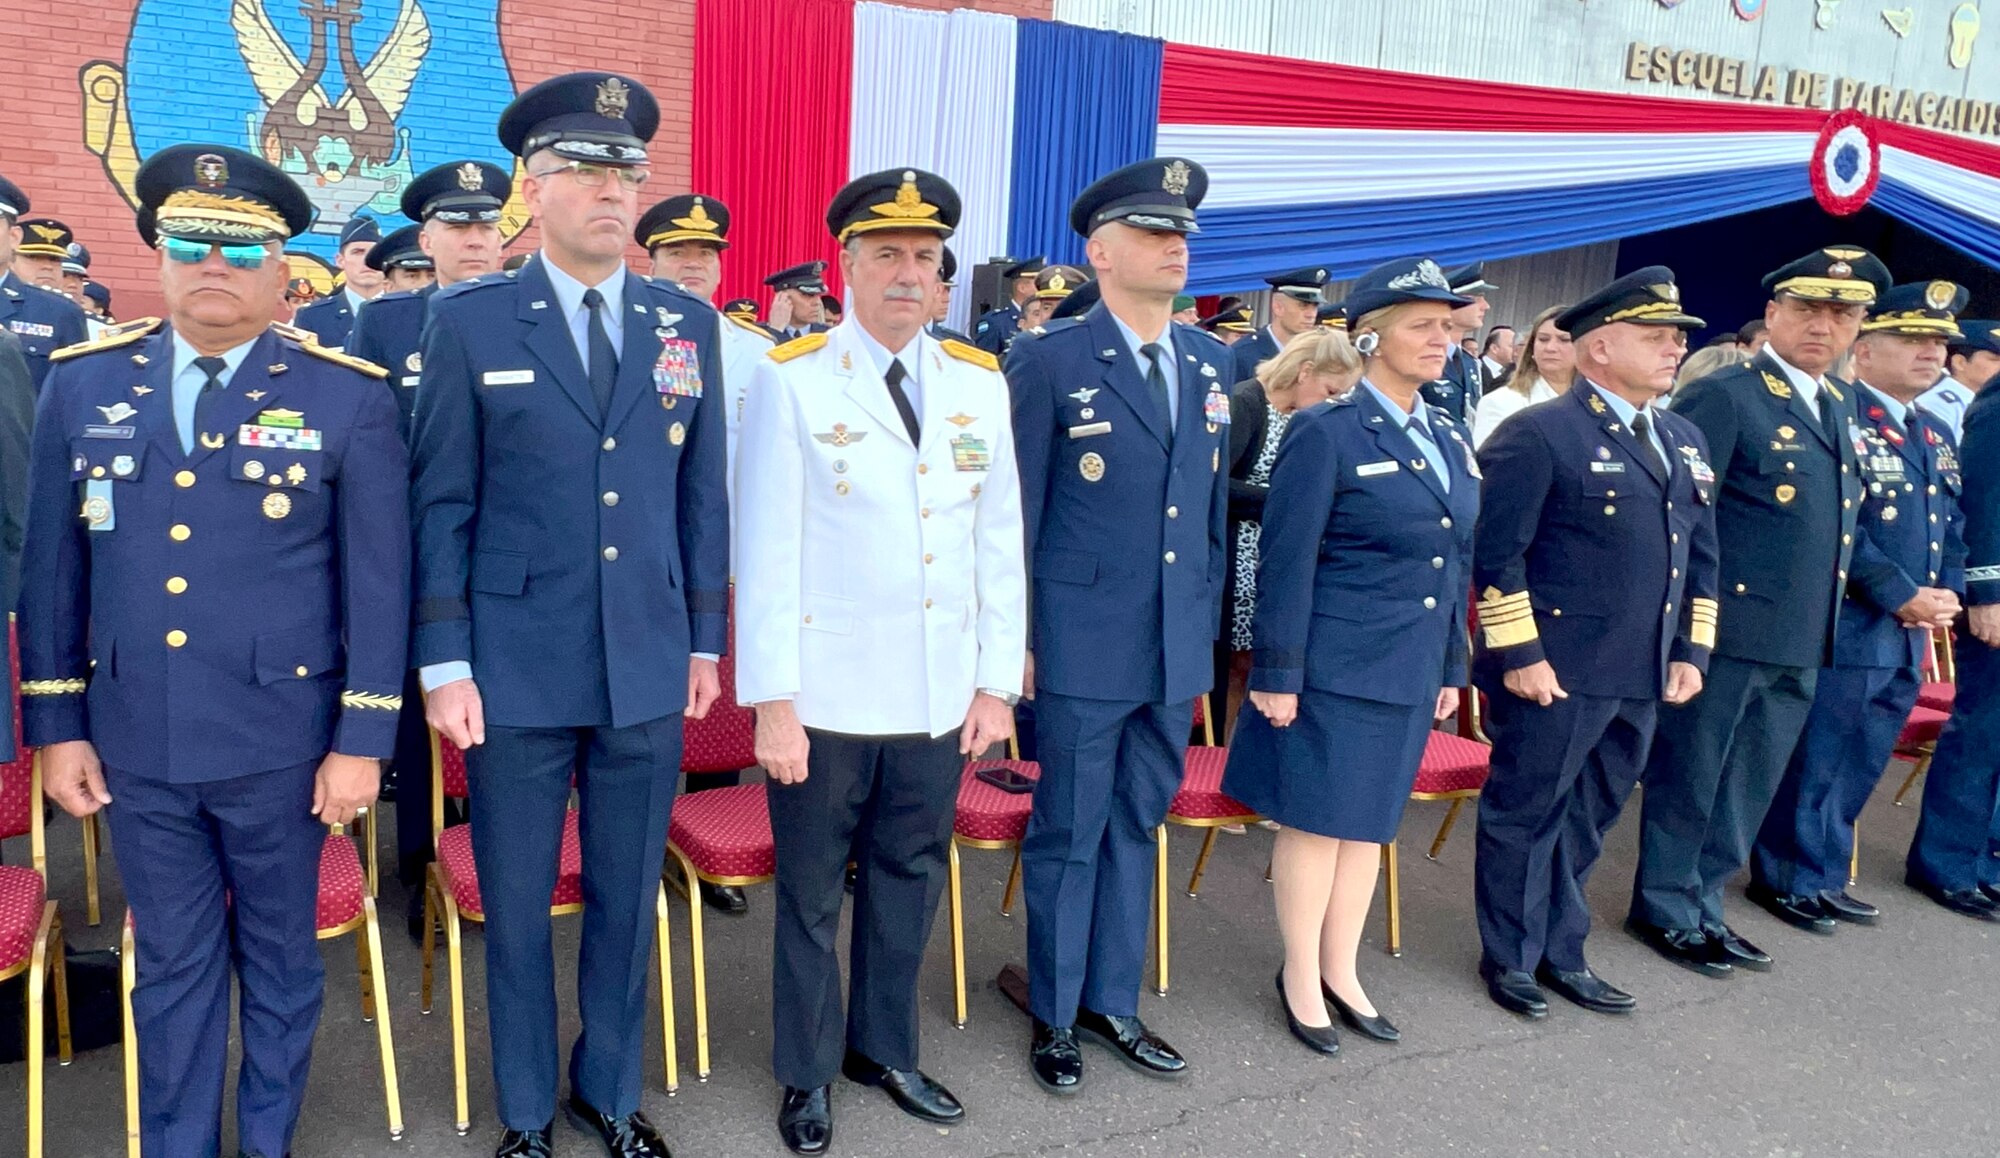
{"points": [[569, 298], [1169, 368], [1418, 427], [1626, 412], [189, 379]]}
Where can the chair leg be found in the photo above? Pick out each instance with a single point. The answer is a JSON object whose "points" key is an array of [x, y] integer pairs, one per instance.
{"points": [[127, 978], [700, 963], [454, 947], [431, 892], [1922, 766], [1267, 870], [370, 937], [90, 854], [1201, 862], [957, 884], [1395, 899], [59, 985], [38, 976], [1444, 829], [367, 979], [1013, 883], [670, 1049], [1160, 906], [1854, 858]]}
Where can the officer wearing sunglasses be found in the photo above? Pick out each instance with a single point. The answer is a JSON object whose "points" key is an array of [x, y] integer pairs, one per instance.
{"points": [[213, 629]]}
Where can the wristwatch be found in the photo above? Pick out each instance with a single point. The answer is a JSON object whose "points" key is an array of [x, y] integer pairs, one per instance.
{"points": [[1008, 698]]}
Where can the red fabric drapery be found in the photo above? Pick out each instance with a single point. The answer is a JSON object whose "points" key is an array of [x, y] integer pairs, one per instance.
{"points": [[772, 89]]}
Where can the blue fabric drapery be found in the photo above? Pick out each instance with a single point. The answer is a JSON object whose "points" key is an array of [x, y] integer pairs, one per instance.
{"points": [[1085, 102], [1972, 236]]}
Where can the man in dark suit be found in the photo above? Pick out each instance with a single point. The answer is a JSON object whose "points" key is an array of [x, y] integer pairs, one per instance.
{"points": [[795, 306], [43, 320], [1782, 440], [995, 330], [568, 486], [331, 319], [1295, 302], [1596, 559]]}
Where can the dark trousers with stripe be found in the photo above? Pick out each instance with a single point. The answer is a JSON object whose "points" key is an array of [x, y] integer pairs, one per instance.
{"points": [[1957, 845]]}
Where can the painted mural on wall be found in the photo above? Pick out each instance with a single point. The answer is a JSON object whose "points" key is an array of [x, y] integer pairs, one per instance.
{"points": [[353, 98]]}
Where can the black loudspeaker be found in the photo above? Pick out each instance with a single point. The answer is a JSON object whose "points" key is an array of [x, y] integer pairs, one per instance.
{"points": [[96, 1012], [988, 291]]}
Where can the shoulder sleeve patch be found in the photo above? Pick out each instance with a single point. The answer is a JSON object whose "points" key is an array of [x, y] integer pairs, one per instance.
{"points": [[972, 354], [110, 339], [803, 344]]}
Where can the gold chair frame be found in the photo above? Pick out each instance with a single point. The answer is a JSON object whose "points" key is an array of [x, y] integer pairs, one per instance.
{"points": [[45, 968]]}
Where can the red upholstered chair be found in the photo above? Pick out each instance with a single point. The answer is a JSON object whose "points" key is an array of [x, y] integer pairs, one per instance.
{"points": [[1454, 768], [345, 905], [31, 935], [1198, 803], [451, 894], [1919, 739], [987, 818], [91, 845]]}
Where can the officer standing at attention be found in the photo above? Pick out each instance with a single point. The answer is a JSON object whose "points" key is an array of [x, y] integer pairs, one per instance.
{"points": [[331, 319], [568, 486], [883, 633], [403, 264], [44, 320], [1596, 562], [1970, 362], [795, 306], [941, 308], [1781, 436], [995, 330], [1464, 381], [1295, 300], [1115, 418], [1952, 858], [238, 575], [1903, 582]]}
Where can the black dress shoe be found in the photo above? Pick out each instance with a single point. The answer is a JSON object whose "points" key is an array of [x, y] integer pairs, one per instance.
{"points": [[1318, 1038], [1794, 909], [727, 899], [1732, 949], [1688, 948], [1514, 991], [526, 1143], [1054, 1059], [1378, 1027], [805, 1119], [627, 1136], [414, 918], [1972, 903], [1992, 893], [913, 1091], [1582, 987], [1136, 1045], [1842, 907]]}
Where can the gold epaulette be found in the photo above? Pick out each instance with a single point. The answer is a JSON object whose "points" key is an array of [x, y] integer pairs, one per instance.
{"points": [[1507, 620], [972, 354], [111, 339], [803, 344], [753, 327], [309, 344], [1701, 622]]}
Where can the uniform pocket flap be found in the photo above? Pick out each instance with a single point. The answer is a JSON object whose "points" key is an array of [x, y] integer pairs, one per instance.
{"points": [[294, 655], [828, 613], [1066, 566], [117, 459], [499, 572], [277, 468]]}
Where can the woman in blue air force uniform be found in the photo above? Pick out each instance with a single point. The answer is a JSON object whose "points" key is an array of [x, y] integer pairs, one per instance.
{"points": [[1359, 637]]}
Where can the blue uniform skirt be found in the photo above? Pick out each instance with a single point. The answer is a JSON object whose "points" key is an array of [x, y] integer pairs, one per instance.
{"points": [[1342, 769]]}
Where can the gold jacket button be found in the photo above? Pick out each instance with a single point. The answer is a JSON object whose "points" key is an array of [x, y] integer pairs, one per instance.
{"points": [[300, 671], [179, 532], [1170, 556], [809, 619], [1675, 573], [184, 478], [610, 554], [1173, 512], [610, 498], [1556, 611], [1740, 589], [1437, 562], [610, 444], [177, 638], [1445, 522], [1846, 540], [1675, 537], [1430, 602], [927, 604], [925, 513], [923, 468], [927, 557], [176, 585]]}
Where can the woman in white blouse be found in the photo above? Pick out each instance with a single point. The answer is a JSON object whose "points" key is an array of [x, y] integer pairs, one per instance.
{"points": [[1548, 364]]}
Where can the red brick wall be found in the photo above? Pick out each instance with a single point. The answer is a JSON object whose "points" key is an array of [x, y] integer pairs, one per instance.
{"points": [[196, 74]]}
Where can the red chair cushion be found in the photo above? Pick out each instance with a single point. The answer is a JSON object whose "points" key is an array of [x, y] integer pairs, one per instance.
{"points": [[22, 892], [451, 766], [726, 832], [461, 875], [1922, 727], [1452, 764], [341, 881], [987, 813], [1939, 697], [725, 739], [1201, 796], [16, 780]]}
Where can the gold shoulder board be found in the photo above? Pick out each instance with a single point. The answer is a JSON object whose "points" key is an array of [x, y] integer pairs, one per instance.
{"points": [[803, 344], [972, 354], [753, 327], [361, 365], [111, 339]]}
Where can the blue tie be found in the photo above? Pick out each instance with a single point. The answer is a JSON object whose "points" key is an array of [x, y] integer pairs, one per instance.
{"points": [[603, 355]]}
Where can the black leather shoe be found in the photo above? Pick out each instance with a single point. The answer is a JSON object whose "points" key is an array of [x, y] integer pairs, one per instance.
{"points": [[1688, 948], [913, 1091], [805, 1119], [1972, 903], [414, 918], [1794, 909], [1842, 907], [1136, 1045], [526, 1143], [1992, 893], [628, 1136], [1378, 1027], [847, 880], [1732, 949], [1514, 991], [727, 899], [1318, 1038], [1582, 987], [1054, 1058]]}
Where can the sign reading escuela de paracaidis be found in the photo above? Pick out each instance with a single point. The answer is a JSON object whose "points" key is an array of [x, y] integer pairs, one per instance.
{"points": [[1733, 77]]}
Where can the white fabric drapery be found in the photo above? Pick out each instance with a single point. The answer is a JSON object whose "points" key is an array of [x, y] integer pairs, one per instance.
{"points": [[936, 90]]}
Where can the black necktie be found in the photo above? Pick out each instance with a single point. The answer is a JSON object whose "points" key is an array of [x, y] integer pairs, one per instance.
{"points": [[603, 355], [210, 391], [1156, 378], [902, 400], [1827, 415], [1643, 430]]}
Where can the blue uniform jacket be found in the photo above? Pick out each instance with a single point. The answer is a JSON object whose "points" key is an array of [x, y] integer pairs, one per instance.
{"points": [[234, 610], [1979, 498], [1911, 519], [1125, 527], [1586, 557], [43, 319], [575, 561], [329, 319], [388, 332], [1365, 561], [1250, 351], [995, 330], [1459, 391], [1785, 519]]}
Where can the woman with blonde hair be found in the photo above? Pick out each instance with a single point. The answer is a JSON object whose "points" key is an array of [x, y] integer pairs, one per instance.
{"points": [[1704, 362], [1314, 366], [1548, 366]]}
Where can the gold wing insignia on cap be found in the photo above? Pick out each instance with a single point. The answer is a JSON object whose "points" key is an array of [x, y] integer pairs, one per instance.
{"points": [[1839, 253]]}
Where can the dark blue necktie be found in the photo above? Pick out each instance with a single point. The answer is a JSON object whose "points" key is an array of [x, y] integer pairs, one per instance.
{"points": [[1156, 381], [603, 355]]}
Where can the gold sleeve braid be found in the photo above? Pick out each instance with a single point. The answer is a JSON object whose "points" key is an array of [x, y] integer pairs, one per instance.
{"points": [[1702, 613], [1507, 620]]}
